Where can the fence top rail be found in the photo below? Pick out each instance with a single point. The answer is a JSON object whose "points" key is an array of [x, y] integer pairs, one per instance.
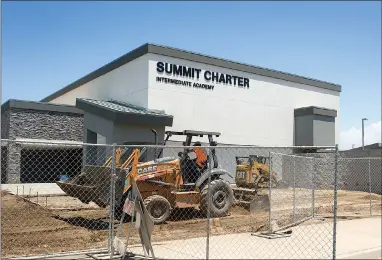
{"points": [[37, 142], [228, 146], [297, 156], [360, 158], [76, 143]]}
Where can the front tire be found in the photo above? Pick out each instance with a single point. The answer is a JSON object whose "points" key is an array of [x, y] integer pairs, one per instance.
{"points": [[221, 198], [159, 208]]}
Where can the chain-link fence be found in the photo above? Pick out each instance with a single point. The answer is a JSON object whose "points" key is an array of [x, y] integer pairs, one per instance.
{"points": [[239, 202], [362, 175], [38, 216]]}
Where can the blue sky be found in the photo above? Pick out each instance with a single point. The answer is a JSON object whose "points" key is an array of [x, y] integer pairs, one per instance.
{"points": [[47, 45]]}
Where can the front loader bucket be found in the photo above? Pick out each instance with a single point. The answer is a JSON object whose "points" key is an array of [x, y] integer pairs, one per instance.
{"points": [[93, 185], [252, 199], [260, 203]]}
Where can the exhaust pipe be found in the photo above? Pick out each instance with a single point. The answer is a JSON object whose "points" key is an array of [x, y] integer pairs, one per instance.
{"points": [[156, 143]]}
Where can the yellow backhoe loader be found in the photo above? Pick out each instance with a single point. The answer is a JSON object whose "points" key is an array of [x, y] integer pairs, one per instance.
{"points": [[164, 183]]}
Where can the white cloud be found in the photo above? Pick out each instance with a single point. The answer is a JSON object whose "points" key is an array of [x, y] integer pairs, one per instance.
{"points": [[353, 136]]}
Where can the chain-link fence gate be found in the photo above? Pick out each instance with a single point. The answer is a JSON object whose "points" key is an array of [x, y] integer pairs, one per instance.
{"points": [[41, 217], [305, 196]]}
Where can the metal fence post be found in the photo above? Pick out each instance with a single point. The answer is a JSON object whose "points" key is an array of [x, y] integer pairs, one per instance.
{"points": [[84, 149], [294, 188], [209, 204], [335, 203], [270, 192], [370, 188], [112, 202], [313, 187]]}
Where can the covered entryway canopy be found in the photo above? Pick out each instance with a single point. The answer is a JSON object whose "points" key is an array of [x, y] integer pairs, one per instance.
{"points": [[120, 123]]}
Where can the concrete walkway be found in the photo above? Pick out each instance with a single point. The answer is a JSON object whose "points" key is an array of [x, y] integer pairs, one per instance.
{"points": [[356, 239], [32, 189], [359, 239]]}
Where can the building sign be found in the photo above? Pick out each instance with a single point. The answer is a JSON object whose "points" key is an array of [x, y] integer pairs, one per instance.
{"points": [[210, 77]]}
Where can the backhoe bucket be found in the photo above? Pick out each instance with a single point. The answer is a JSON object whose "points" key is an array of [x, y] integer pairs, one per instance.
{"points": [[93, 185]]}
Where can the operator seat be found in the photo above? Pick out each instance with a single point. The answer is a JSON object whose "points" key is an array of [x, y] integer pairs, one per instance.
{"points": [[191, 170]]}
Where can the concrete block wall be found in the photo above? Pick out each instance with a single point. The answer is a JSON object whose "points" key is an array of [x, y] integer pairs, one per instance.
{"points": [[298, 171], [360, 174], [5, 124], [34, 124], [353, 173], [20, 123]]}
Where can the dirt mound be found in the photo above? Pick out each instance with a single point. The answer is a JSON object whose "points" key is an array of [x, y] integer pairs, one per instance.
{"points": [[4, 192], [19, 212], [29, 229]]}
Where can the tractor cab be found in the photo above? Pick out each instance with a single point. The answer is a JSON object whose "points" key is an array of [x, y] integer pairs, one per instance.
{"points": [[258, 159], [194, 158], [251, 159]]}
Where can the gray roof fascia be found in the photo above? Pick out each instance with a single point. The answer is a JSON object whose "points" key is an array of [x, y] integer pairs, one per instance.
{"points": [[39, 106], [228, 64], [191, 56], [312, 110]]}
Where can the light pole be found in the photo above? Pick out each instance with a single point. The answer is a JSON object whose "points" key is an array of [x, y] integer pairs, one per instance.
{"points": [[363, 133]]}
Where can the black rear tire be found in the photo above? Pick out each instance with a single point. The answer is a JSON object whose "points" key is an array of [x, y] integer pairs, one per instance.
{"points": [[221, 198], [159, 208]]}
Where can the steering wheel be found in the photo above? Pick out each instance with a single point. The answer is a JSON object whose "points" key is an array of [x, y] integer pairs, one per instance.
{"points": [[185, 155]]}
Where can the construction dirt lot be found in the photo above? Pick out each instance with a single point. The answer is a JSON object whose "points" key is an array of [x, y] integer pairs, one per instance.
{"points": [[55, 224]]}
